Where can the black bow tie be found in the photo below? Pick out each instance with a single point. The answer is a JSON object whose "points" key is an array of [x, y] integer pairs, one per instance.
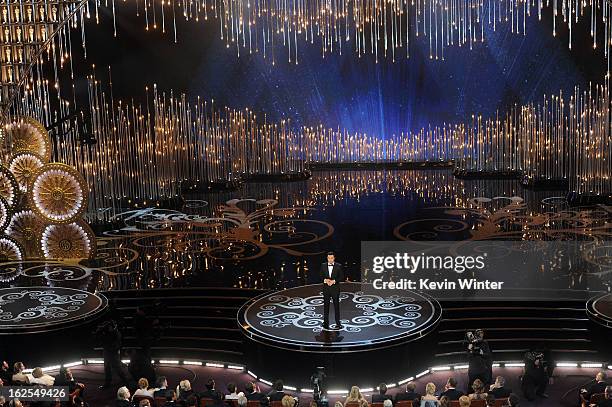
{"points": [[330, 264]]}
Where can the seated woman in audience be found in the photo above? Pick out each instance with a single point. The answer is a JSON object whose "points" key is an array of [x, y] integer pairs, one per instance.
{"points": [[479, 393], [355, 396], [143, 389], [444, 401], [289, 401], [233, 392], [38, 377], [429, 399], [184, 391], [338, 404], [464, 401], [20, 378]]}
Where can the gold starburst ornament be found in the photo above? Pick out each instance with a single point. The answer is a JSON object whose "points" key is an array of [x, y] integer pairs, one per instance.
{"points": [[27, 135], [68, 241], [24, 166], [26, 227], [58, 193], [9, 188]]}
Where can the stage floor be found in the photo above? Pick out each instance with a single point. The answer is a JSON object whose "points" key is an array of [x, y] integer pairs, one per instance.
{"points": [[293, 319], [28, 310]]}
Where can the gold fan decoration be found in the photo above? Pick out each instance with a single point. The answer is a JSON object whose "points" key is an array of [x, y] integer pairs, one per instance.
{"points": [[44, 220], [8, 186], [27, 135], [58, 193], [23, 166], [26, 227], [10, 250], [68, 241], [5, 214]]}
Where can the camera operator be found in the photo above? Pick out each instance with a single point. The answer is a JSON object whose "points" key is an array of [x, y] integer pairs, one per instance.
{"points": [[110, 339], [480, 359], [538, 371], [317, 382]]}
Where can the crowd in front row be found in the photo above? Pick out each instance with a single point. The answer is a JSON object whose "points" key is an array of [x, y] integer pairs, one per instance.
{"points": [[183, 395]]}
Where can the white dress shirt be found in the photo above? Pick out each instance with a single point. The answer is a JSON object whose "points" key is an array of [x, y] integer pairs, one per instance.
{"points": [[330, 268]]}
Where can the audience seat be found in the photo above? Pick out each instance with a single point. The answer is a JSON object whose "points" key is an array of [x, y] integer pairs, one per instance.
{"points": [[377, 404], [405, 403], [478, 403], [352, 404], [597, 397], [253, 403], [276, 404], [500, 402], [232, 403], [207, 402], [159, 401]]}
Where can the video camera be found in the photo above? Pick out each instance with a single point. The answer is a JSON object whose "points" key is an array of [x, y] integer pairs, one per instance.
{"points": [[317, 382], [474, 340]]}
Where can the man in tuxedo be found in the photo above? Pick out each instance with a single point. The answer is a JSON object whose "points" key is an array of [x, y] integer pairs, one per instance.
{"points": [[331, 275], [598, 387], [252, 393], [450, 390], [382, 394], [499, 390], [409, 395]]}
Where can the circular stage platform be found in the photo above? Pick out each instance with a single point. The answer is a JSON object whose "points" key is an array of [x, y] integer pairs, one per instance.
{"points": [[292, 319], [600, 310], [27, 310]]}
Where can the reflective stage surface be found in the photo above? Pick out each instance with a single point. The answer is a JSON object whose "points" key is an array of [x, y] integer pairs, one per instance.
{"points": [[273, 235], [293, 319]]}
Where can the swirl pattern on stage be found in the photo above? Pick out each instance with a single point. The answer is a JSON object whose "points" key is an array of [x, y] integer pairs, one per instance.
{"points": [[40, 307], [295, 317]]}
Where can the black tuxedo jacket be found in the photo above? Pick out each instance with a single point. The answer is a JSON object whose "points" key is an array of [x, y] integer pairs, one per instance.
{"points": [[595, 388], [501, 392], [452, 394], [337, 275]]}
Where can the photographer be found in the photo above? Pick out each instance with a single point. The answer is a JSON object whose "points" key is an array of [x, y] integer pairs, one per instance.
{"points": [[480, 359], [110, 339], [317, 382], [538, 370]]}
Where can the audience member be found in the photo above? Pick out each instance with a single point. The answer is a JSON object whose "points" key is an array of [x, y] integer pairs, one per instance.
{"points": [[242, 401], [123, 397], [490, 400], [288, 401], [2, 400], [143, 388], [338, 404], [498, 389], [450, 390], [607, 402], [15, 403], [409, 395], [598, 387], [464, 401], [313, 403], [233, 392], [19, 378], [38, 377], [171, 400], [254, 394], [5, 373], [211, 393], [444, 401], [479, 393], [65, 378], [513, 401], [382, 394], [277, 393], [162, 388], [388, 403], [355, 396], [183, 391], [144, 403], [429, 399]]}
